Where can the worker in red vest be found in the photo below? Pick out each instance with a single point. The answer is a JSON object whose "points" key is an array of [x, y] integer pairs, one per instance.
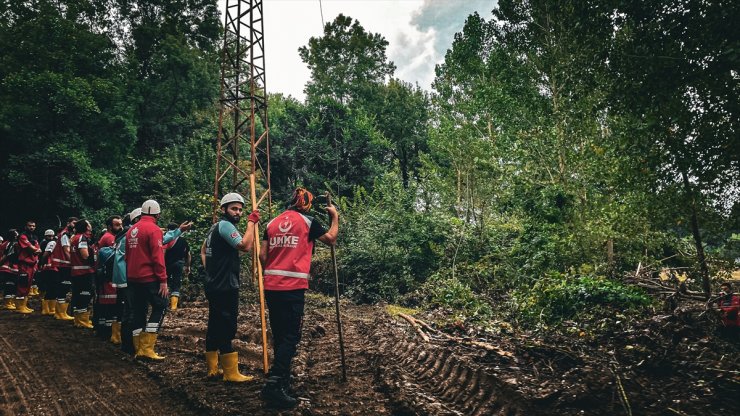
{"points": [[28, 257], [60, 259], [9, 268], [729, 307], [286, 250], [82, 261], [147, 278], [220, 257]]}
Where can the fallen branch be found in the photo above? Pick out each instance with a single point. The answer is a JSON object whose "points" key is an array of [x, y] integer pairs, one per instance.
{"points": [[418, 324], [415, 325]]}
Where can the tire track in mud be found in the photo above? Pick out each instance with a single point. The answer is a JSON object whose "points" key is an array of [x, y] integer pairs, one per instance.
{"points": [[432, 379]]}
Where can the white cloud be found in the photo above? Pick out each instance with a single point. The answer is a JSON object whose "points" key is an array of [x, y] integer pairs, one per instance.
{"points": [[418, 33]]}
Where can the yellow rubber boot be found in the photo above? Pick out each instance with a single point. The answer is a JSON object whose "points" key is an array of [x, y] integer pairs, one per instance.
{"points": [[115, 333], [173, 303], [44, 307], [34, 291], [22, 306], [82, 320], [61, 312], [147, 341], [10, 304], [51, 304], [230, 364], [212, 364]]}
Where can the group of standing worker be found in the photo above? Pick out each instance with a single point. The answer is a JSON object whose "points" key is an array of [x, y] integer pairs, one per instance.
{"points": [[71, 260], [133, 273], [285, 255]]}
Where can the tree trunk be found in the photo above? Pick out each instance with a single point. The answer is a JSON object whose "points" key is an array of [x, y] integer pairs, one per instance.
{"points": [[700, 257]]}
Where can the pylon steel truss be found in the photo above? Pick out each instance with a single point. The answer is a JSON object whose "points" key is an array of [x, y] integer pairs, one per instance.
{"points": [[243, 147], [242, 124]]}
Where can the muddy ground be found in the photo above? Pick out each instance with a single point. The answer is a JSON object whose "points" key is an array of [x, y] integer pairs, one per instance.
{"points": [[665, 365]]}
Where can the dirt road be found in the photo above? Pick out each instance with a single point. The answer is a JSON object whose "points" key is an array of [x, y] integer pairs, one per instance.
{"points": [[47, 367]]}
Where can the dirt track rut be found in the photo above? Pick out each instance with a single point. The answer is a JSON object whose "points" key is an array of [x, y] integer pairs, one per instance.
{"points": [[50, 368]]}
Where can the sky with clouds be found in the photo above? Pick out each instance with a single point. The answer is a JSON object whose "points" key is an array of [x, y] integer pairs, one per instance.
{"points": [[418, 32]]}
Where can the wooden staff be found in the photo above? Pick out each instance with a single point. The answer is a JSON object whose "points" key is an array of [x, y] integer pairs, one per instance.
{"points": [[257, 271], [336, 301]]}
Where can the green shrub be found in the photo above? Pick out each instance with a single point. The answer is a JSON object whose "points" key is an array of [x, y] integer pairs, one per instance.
{"points": [[562, 296], [446, 292]]}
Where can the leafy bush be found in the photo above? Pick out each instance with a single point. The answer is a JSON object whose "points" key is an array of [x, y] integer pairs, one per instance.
{"points": [[561, 296], [447, 292]]}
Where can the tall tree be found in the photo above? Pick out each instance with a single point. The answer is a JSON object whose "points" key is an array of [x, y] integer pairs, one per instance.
{"points": [[346, 62], [171, 51], [65, 123], [676, 68]]}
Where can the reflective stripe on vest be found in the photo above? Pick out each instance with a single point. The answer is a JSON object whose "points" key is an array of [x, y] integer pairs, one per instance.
{"points": [[81, 267], [273, 272]]}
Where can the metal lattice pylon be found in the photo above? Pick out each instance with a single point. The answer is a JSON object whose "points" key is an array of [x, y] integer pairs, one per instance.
{"points": [[242, 122]]}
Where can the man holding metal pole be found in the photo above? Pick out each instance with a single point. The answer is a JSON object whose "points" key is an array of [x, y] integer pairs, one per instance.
{"points": [[220, 256], [286, 250]]}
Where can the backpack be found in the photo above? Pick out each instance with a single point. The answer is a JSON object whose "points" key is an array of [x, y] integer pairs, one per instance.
{"points": [[104, 268]]}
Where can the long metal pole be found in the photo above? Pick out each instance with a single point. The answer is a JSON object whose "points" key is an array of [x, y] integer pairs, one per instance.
{"points": [[336, 302]]}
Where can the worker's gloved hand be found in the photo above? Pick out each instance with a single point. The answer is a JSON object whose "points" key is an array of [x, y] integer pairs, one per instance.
{"points": [[254, 216]]}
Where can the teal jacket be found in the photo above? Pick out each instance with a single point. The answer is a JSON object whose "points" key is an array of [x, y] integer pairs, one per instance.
{"points": [[119, 261]]}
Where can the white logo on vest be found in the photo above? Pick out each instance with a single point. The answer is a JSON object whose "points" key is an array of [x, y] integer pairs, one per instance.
{"points": [[285, 226]]}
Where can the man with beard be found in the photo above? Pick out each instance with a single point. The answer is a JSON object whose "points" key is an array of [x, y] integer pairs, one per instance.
{"points": [[220, 256], [105, 294]]}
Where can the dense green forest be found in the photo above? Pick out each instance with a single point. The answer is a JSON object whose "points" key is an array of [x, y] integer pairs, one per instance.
{"points": [[563, 143]]}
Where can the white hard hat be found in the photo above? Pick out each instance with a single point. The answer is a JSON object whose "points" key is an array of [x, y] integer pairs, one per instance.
{"points": [[48, 232], [150, 207], [135, 214], [232, 197]]}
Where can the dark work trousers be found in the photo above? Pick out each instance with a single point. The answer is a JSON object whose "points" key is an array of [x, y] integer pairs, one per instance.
{"points": [[8, 280], [23, 281], [43, 280], [82, 289], [223, 310], [52, 284], [126, 314], [64, 284], [143, 295], [286, 321], [174, 277], [104, 307]]}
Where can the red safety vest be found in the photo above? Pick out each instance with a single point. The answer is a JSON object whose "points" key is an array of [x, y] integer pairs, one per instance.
{"points": [[58, 256], [27, 250], [289, 252], [730, 310], [7, 266], [79, 265]]}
